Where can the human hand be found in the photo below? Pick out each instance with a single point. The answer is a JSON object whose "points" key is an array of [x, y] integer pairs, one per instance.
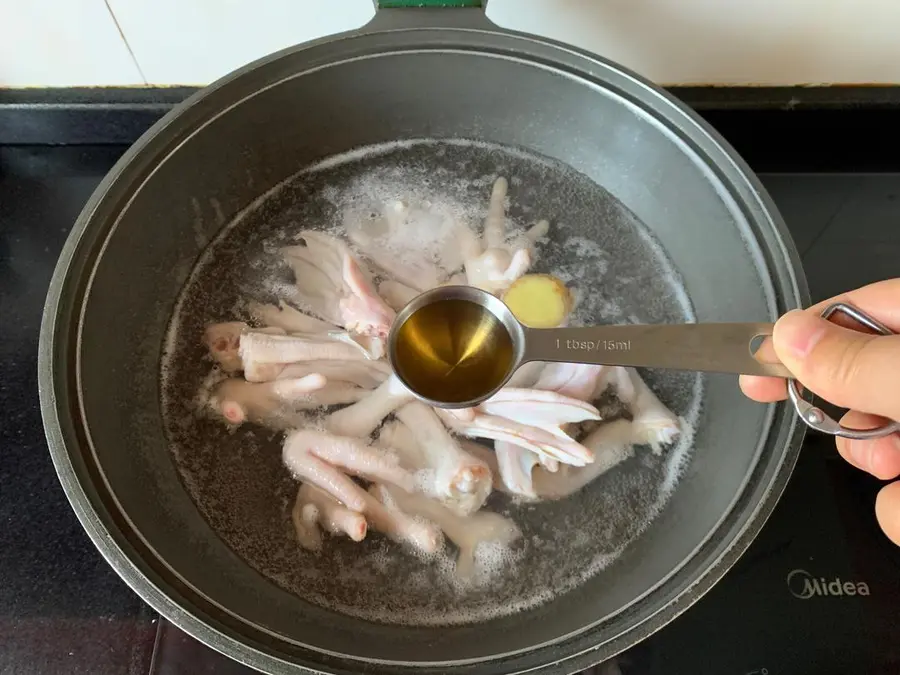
{"points": [[850, 369]]}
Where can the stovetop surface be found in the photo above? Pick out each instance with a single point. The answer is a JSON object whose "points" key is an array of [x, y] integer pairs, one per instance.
{"points": [[817, 592]]}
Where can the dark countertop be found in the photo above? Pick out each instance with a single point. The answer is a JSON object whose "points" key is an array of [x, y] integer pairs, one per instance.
{"points": [[63, 609]]}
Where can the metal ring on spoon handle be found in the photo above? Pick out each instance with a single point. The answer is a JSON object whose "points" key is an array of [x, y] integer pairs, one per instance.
{"points": [[818, 419]]}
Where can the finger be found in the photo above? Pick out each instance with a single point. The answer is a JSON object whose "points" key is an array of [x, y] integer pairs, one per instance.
{"points": [[878, 456], [848, 368], [763, 389], [878, 300], [887, 511]]}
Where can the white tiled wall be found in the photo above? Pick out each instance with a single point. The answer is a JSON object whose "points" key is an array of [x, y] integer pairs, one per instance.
{"points": [[162, 42], [62, 43]]}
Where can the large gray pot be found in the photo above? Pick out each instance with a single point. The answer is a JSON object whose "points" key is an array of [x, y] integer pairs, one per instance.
{"points": [[137, 239]]}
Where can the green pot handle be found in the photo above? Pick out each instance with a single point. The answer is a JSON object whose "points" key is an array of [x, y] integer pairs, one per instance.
{"points": [[393, 4]]}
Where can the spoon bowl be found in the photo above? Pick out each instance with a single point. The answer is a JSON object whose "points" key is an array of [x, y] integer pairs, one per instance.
{"points": [[455, 346]]}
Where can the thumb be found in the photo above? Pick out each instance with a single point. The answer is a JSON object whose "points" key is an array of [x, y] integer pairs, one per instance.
{"points": [[845, 367]]}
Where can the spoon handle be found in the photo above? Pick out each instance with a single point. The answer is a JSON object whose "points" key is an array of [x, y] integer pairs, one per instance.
{"points": [[706, 347]]}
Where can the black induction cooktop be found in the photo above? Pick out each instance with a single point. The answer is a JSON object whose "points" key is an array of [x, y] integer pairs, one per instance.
{"points": [[817, 592]]}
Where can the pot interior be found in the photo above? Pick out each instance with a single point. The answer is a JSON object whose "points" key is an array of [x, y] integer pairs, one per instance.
{"points": [[645, 215], [237, 478]]}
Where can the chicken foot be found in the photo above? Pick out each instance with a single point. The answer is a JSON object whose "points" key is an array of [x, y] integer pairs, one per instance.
{"points": [[612, 443], [275, 404], [461, 481], [223, 340], [288, 319], [467, 532], [556, 447], [516, 465], [654, 424], [383, 515], [257, 347], [362, 418], [409, 269], [325, 461], [397, 436], [332, 284], [492, 263], [575, 380], [546, 410], [315, 508], [362, 373]]}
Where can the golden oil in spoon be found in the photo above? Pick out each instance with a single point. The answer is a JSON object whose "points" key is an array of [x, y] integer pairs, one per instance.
{"points": [[453, 350]]}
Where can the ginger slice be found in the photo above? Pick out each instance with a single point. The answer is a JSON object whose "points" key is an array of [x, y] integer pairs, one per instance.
{"points": [[539, 300]]}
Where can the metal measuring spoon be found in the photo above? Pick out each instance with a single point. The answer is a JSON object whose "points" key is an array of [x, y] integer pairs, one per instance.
{"points": [[455, 346]]}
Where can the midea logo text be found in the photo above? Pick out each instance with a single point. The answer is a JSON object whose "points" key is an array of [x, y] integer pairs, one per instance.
{"points": [[804, 586]]}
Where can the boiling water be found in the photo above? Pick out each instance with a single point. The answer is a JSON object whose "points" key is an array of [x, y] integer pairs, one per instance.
{"points": [[236, 478]]}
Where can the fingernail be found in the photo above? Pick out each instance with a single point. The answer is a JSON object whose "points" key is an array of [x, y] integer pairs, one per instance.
{"points": [[799, 331]]}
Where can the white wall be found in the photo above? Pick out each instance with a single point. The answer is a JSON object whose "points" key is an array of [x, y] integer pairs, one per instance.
{"points": [[163, 42]]}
